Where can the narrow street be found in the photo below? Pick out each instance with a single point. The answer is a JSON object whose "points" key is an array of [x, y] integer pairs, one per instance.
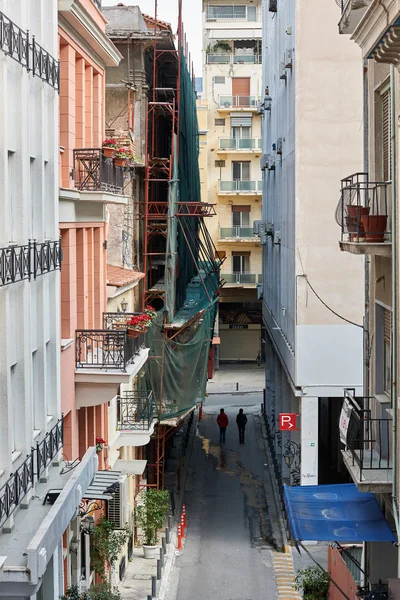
{"points": [[231, 531]]}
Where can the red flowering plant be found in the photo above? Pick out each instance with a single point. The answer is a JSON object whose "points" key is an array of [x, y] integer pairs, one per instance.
{"points": [[110, 143], [139, 322], [100, 444], [150, 311], [123, 153]]}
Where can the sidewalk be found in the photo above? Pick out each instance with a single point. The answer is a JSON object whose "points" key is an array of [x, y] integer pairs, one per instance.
{"points": [[237, 378]]}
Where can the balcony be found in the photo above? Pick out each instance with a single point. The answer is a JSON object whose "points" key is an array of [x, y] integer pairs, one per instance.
{"points": [[105, 358], [136, 418], [237, 234], [364, 215], [239, 186], [117, 320], [352, 13], [367, 454], [22, 47], [18, 263], [95, 173], [228, 103], [245, 145], [234, 59], [244, 279]]}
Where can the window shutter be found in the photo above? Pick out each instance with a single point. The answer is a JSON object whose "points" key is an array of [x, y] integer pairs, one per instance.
{"points": [[219, 122], [220, 163], [241, 120], [241, 253], [219, 79], [241, 86], [387, 325], [386, 133]]}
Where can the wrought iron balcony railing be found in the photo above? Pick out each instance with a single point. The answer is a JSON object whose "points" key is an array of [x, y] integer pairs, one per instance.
{"points": [[239, 144], [244, 278], [26, 262], [16, 43], [236, 59], [106, 349], [117, 320], [238, 101], [135, 410], [239, 185], [364, 209], [19, 483], [236, 232], [94, 172], [368, 438]]}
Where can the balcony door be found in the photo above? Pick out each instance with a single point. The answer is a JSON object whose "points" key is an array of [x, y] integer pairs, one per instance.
{"points": [[240, 262], [241, 91], [241, 170], [241, 216]]}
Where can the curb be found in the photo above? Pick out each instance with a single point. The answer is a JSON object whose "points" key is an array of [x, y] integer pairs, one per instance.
{"points": [[172, 553], [235, 393]]}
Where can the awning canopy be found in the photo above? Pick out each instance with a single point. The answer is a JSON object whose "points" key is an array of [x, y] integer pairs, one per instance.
{"points": [[103, 485], [335, 513], [131, 467]]}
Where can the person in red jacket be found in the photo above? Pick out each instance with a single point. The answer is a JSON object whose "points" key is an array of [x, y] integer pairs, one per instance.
{"points": [[222, 421]]}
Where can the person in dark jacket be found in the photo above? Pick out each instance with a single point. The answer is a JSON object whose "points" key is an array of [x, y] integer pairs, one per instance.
{"points": [[241, 421], [222, 421]]}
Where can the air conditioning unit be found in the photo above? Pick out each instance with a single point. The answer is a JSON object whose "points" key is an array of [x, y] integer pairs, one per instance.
{"points": [[227, 104], [272, 6], [117, 508], [288, 59], [283, 74], [277, 238], [260, 108], [256, 227], [271, 162], [263, 232], [279, 144], [264, 162]]}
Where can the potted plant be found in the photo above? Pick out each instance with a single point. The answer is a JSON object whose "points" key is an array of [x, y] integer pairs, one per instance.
{"points": [[100, 444], [313, 582], [150, 517], [109, 146], [121, 156], [106, 544], [138, 324], [150, 311], [221, 47], [101, 591], [354, 221], [374, 227]]}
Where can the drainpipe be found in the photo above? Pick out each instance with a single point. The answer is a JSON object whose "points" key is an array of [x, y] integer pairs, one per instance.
{"points": [[394, 313]]}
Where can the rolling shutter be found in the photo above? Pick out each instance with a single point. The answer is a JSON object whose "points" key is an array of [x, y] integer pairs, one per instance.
{"points": [[241, 86], [386, 133], [241, 120], [387, 325]]}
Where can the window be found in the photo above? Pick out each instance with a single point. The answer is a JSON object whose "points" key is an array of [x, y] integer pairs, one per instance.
{"points": [[241, 170], [252, 13], [220, 164], [226, 12], [241, 132], [219, 79], [383, 372], [241, 262], [240, 216], [220, 122], [387, 366], [386, 136]]}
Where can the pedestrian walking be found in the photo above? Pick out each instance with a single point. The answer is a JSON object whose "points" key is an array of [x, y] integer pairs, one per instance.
{"points": [[241, 421], [222, 421]]}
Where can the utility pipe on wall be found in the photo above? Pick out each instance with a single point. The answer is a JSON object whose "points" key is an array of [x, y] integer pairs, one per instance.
{"points": [[394, 311]]}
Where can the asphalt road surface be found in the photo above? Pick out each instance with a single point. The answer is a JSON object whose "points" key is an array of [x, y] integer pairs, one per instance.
{"points": [[230, 536]]}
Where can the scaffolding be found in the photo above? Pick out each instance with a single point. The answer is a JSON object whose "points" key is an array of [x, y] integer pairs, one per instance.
{"points": [[182, 279]]}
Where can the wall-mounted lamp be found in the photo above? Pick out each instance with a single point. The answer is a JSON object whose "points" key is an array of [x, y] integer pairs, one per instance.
{"points": [[74, 545], [124, 305], [87, 525]]}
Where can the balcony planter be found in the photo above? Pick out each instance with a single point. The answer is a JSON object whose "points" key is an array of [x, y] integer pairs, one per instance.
{"points": [[354, 222], [109, 146], [374, 227], [138, 324], [134, 332], [120, 162]]}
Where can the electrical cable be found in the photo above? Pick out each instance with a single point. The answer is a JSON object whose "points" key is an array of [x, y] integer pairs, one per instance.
{"points": [[328, 307]]}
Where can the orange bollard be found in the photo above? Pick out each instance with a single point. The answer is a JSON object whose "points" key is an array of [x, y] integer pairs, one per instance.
{"points": [[179, 547], [183, 527], [184, 516]]}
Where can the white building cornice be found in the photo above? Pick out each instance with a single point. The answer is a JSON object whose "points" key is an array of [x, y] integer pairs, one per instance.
{"points": [[80, 20], [381, 14]]}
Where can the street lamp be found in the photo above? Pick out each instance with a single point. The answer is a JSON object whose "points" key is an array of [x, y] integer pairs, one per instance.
{"points": [[124, 305], [87, 525]]}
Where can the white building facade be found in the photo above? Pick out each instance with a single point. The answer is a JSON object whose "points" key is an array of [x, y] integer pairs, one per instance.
{"points": [[313, 295]]}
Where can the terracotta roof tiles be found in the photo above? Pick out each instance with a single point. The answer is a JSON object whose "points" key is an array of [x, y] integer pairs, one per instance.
{"points": [[118, 276]]}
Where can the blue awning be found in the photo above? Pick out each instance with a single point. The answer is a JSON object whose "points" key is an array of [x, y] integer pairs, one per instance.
{"points": [[335, 513]]}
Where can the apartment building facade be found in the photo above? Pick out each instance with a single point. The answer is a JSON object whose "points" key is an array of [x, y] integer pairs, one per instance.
{"points": [[313, 296], [232, 145], [368, 218]]}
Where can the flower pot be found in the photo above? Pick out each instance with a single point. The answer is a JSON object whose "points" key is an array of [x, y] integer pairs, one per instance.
{"points": [[108, 151], [354, 223], [151, 551], [119, 162], [374, 227], [133, 333]]}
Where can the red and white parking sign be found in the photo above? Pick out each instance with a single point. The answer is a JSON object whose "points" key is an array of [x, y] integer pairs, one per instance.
{"points": [[287, 421]]}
